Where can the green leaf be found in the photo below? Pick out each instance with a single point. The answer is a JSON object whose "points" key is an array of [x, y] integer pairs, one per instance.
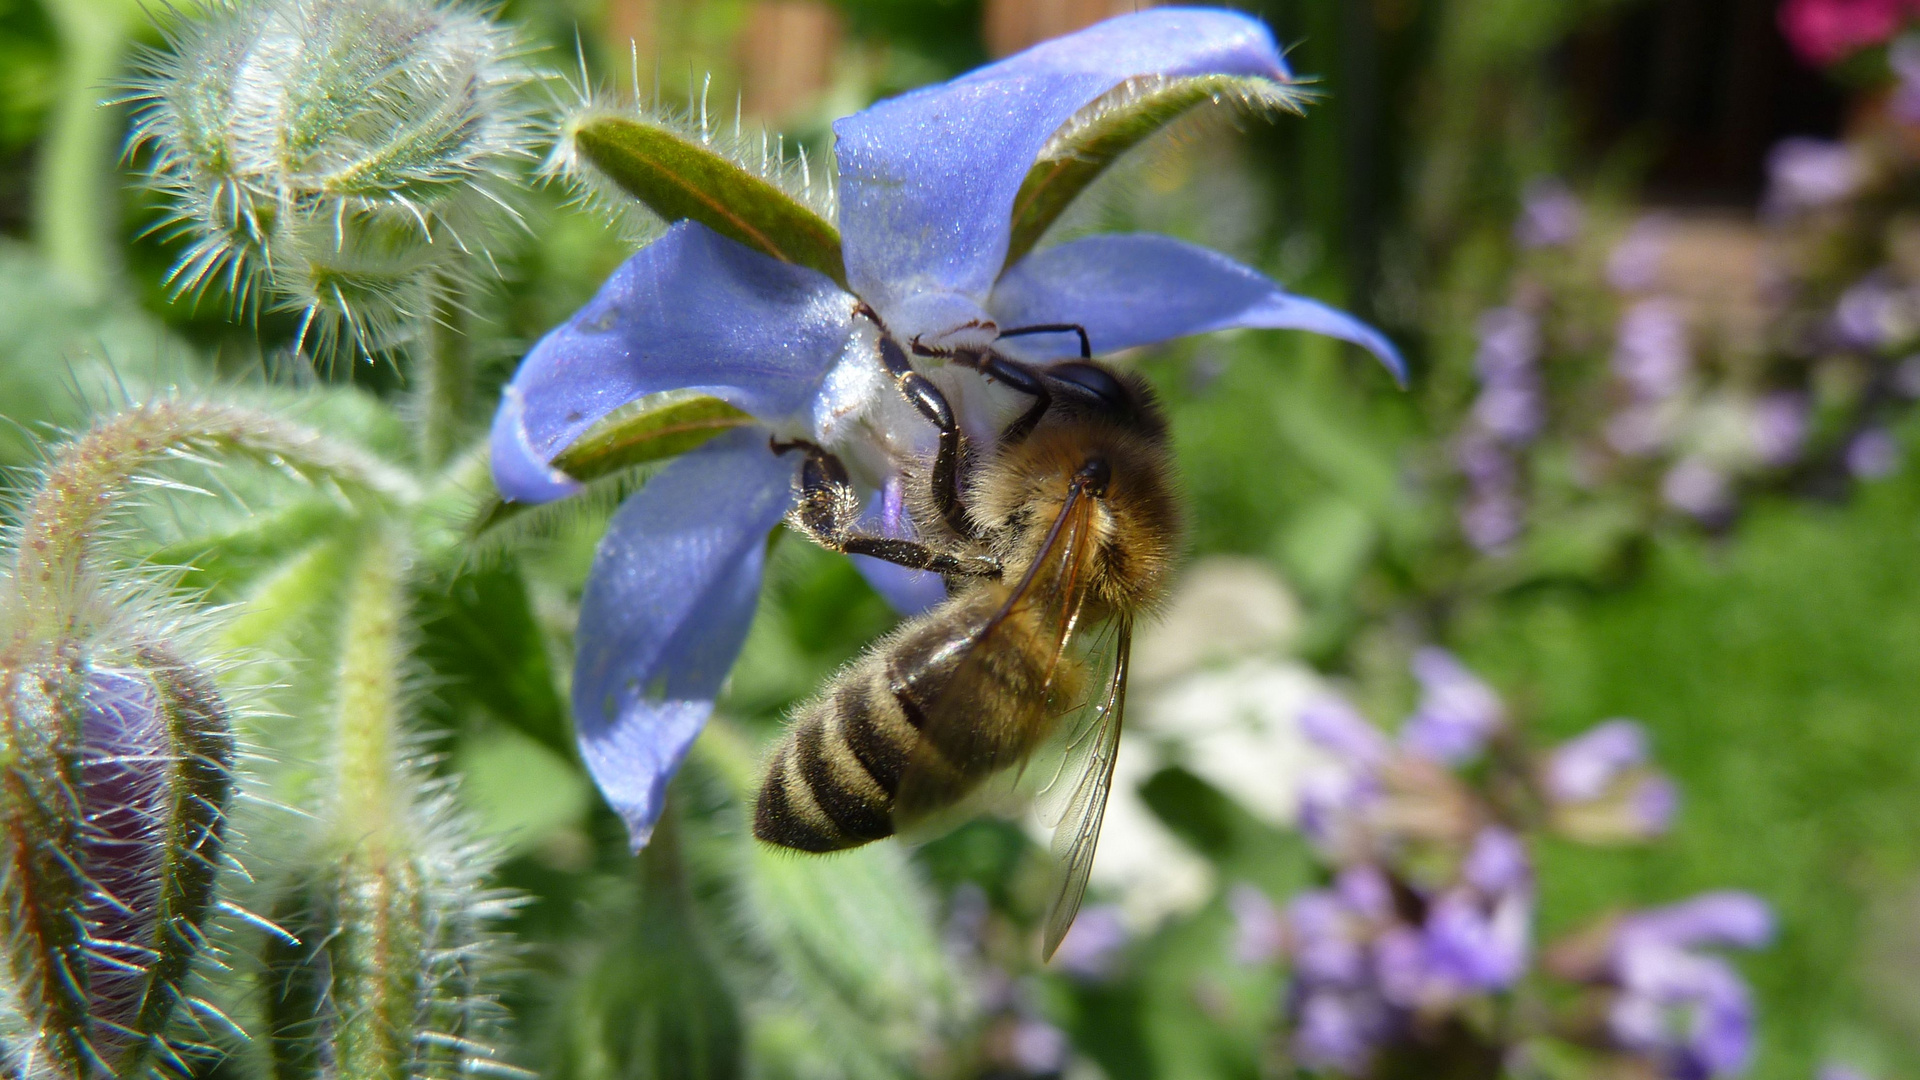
{"points": [[1090, 142], [682, 178], [657, 426]]}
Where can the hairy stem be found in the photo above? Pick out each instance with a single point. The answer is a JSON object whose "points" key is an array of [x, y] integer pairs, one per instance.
{"points": [[444, 373], [378, 952], [90, 475]]}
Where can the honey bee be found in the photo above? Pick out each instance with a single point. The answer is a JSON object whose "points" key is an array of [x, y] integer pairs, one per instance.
{"points": [[1067, 530]]}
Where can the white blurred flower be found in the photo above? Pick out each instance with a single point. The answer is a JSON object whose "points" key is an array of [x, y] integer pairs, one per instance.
{"points": [[1237, 729]]}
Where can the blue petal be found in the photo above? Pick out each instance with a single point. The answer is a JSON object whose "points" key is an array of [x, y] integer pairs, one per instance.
{"points": [[928, 179], [690, 310], [666, 608], [1140, 289], [909, 592]]}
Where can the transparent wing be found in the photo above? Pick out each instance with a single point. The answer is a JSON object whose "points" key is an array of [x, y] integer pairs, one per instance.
{"points": [[965, 736], [1084, 799]]}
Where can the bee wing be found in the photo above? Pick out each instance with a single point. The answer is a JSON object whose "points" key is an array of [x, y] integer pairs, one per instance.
{"points": [[954, 726], [1083, 788]]}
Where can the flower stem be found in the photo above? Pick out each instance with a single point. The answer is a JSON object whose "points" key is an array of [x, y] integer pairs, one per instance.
{"points": [[45, 607], [378, 952], [77, 204], [445, 372]]}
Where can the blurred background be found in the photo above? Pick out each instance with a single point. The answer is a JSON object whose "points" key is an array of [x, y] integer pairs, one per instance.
{"points": [[1656, 267]]}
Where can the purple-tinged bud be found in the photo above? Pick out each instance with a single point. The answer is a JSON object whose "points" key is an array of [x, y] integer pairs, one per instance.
{"points": [[1550, 215], [1873, 454], [1456, 714], [116, 878]]}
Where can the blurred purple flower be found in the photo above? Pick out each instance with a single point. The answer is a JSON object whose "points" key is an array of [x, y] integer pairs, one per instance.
{"points": [[1634, 264], [1478, 944], [1328, 939], [1456, 713], [1873, 454], [1808, 174], [1550, 215], [1872, 314], [1512, 410], [1336, 1030], [1903, 59], [1835, 1070], [1637, 430], [1093, 946], [1584, 767], [1779, 427], [1689, 1013], [1334, 725], [1483, 461], [1259, 930], [1906, 377], [1492, 520], [1650, 353], [928, 183], [1698, 489], [1497, 863], [1037, 1048], [1509, 344]]}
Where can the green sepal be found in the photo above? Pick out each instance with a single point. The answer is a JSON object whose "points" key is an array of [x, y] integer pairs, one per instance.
{"points": [[654, 427], [681, 178], [1112, 126]]}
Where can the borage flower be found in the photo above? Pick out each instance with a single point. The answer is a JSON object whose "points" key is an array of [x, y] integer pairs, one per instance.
{"points": [[808, 334]]}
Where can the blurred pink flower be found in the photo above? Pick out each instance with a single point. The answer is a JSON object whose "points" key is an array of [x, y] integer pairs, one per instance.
{"points": [[1826, 31]]}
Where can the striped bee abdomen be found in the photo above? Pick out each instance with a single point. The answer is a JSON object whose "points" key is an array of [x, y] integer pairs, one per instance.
{"points": [[832, 782]]}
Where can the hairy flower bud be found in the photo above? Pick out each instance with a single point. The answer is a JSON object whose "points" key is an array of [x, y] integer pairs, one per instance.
{"points": [[116, 791], [342, 153]]}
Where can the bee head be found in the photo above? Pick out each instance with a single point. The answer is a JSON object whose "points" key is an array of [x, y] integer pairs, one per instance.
{"points": [[1096, 391]]}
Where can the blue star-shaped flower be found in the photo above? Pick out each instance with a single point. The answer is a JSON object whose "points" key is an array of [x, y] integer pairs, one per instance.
{"points": [[928, 188]]}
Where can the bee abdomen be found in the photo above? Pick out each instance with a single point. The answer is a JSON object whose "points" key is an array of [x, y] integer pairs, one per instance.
{"points": [[830, 785]]}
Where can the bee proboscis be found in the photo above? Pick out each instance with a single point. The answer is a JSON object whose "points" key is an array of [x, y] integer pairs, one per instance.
{"points": [[1065, 534]]}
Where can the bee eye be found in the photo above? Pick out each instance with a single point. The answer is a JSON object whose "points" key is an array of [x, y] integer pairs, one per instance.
{"points": [[1094, 383]]}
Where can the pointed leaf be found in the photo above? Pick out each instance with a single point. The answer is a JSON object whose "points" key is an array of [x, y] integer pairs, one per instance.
{"points": [[1090, 142], [682, 178], [654, 427]]}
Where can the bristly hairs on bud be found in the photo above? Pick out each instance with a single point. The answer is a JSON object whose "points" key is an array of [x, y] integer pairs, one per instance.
{"points": [[384, 929], [805, 177], [340, 158], [116, 755]]}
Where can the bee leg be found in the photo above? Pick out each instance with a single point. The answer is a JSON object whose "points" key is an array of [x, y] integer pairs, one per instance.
{"points": [[1086, 343], [829, 506], [926, 397], [1027, 381]]}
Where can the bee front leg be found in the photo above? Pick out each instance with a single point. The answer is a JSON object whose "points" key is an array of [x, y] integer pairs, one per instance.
{"points": [[828, 508]]}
